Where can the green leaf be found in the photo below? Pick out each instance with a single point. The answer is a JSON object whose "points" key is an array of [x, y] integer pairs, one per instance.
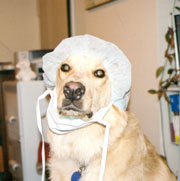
{"points": [[159, 71], [178, 8], [152, 91], [167, 36], [170, 58], [170, 71]]}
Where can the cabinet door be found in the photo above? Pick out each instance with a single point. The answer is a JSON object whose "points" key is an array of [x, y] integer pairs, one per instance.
{"points": [[23, 137], [12, 129], [28, 93], [53, 22]]}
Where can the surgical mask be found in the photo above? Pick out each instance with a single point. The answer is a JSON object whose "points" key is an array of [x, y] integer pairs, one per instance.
{"points": [[60, 125]]}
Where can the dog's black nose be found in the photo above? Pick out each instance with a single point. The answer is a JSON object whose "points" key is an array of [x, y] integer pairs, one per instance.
{"points": [[74, 90]]}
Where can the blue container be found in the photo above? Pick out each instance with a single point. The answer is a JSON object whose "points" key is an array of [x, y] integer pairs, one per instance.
{"points": [[174, 102]]}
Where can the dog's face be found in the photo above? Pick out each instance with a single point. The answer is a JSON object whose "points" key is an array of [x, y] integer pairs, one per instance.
{"points": [[83, 87]]}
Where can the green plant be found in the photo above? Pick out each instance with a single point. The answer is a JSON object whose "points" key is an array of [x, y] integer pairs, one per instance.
{"points": [[173, 74]]}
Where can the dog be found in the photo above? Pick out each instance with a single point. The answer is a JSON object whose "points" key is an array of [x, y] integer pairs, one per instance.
{"points": [[83, 87]]}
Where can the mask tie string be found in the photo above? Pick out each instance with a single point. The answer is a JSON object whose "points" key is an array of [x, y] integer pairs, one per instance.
{"points": [[105, 147], [39, 123], [105, 143], [101, 121]]}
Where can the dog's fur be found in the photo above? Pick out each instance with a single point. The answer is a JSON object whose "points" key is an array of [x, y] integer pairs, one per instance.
{"points": [[130, 156]]}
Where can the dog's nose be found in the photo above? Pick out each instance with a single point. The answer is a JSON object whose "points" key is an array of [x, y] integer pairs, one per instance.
{"points": [[74, 90]]}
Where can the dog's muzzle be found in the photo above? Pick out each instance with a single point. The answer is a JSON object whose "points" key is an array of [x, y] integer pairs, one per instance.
{"points": [[74, 91]]}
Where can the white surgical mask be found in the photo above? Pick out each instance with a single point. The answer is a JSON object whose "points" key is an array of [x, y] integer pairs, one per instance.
{"points": [[61, 125]]}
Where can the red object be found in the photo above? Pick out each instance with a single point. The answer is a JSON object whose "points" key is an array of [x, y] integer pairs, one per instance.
{"points": [[47, 150]]}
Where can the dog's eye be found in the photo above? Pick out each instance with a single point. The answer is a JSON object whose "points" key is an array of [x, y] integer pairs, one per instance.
{"points": [[65, 68], [99, 73]]}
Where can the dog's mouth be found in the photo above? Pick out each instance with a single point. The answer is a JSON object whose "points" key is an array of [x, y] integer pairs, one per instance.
{"points": [[74, 108]]}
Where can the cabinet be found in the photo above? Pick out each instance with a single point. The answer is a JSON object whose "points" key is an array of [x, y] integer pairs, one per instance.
{"points": [[171, 150], [21, 126]]}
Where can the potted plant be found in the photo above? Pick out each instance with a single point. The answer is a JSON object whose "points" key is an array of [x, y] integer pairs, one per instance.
{"points": [[169, 68]]}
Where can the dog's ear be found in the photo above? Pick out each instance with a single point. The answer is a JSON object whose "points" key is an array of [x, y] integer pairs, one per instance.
{"points": [[58, 78]]}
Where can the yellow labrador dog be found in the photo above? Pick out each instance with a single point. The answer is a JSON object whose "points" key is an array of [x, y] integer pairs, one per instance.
{"points": [[82, 90]]}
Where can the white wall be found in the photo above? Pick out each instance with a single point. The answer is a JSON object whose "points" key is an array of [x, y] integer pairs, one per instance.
{"points": [[164, 7], [19, 27], [137, 27]]}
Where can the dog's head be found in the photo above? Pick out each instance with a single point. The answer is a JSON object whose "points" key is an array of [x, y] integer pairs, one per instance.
{"points": [[88, 73], [83, 86]]}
